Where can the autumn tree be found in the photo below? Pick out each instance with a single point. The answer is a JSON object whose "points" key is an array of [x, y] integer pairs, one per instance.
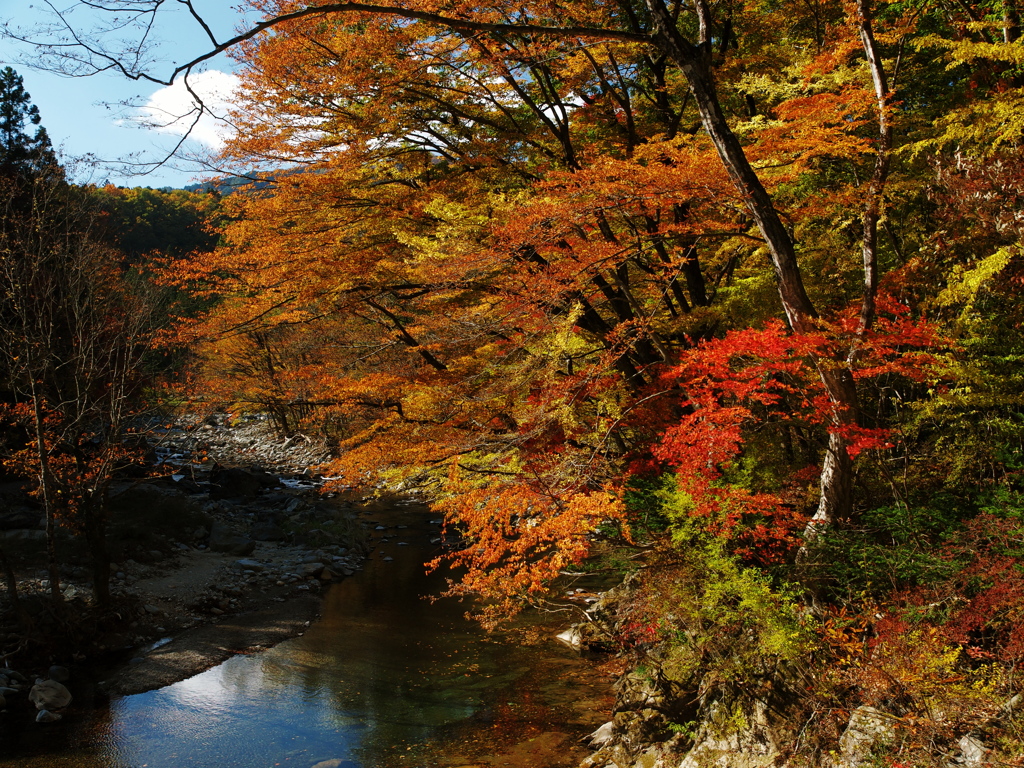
{"points": [[73, 332], [494, 232]]}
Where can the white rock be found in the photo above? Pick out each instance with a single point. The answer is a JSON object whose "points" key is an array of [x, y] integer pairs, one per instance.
{"points": [[972, 751], [603, 735], [571, 637], [868, 728]]}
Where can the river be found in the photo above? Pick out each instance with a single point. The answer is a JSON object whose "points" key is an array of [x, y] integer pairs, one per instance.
{"points": [[384, 679]]}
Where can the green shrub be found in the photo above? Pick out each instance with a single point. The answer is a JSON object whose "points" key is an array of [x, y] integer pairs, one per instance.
{"points": [[892, 548], [711, 617]]}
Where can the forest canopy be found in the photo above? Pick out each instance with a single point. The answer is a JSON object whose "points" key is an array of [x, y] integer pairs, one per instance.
{"points": [[521, 260], [722, 278]]}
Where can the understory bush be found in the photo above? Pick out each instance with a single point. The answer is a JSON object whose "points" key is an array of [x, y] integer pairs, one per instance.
{"points": [[916, 611], [716, 621]]}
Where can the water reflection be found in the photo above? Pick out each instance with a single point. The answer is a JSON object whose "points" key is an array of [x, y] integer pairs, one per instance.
{"points": [[383, 673]]}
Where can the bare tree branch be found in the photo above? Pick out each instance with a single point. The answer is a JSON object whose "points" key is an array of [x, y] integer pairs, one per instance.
{"points": [[88, 56]]}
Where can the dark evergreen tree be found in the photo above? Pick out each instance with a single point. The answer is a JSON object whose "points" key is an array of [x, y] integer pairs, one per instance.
{"points": [[22, 154]]}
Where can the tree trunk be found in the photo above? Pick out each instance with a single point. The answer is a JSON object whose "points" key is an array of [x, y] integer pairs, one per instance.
{"points": [[95, 526], [883, 153], [837, 470], [47, 490]]}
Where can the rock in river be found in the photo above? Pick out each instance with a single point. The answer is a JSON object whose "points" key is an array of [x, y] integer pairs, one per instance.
{"points": [[49, 694], [312, 570], [14, 675], [58, 673]]}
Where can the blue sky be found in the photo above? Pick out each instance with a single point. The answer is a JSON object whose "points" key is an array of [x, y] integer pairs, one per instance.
{"points": [[88, 116]]}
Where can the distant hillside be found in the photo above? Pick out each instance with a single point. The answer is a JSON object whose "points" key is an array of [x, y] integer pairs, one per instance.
{"points": [[226, 185]]}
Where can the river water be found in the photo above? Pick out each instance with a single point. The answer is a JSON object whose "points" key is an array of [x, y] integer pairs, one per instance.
{"points": [[384, 679]]}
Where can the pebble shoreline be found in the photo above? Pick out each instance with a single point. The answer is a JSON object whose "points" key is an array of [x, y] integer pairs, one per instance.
{"points": [[248, 580]]}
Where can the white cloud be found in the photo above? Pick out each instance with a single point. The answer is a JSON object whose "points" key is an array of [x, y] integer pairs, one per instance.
{"points": [[173, 109]]}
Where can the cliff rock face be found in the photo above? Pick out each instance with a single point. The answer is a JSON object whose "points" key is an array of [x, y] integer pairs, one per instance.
{"points": [[677, 709], [754, 740], [664, 719], [742, 732]]}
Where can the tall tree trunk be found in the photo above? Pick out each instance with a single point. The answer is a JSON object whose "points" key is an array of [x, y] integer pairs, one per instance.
{"points": [[694, 62], [880, 175], [95, 529], [837, 469], [47, 490]]}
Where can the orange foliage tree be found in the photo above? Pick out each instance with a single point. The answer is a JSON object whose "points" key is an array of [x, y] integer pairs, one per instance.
{"points": [[487, 237]]}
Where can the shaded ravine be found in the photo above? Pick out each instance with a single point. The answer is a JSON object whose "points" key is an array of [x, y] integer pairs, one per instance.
{"points": [[384, 678]]}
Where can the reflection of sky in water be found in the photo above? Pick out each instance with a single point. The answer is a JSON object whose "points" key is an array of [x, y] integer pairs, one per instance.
{"points": [[382, 669], [238, 714]]}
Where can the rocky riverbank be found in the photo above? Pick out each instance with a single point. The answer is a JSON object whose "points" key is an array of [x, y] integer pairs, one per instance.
{"points": [[670, 715], [224, 553]]}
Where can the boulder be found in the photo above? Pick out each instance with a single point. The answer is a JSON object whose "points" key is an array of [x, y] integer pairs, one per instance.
{"points": [[972, 751], [603, 736], [295, 506], [264, 530], [49, 694], [46, 716], [58, 673], [13, 674], [571, 637], [223, 540], [312, 570], [234, 483], [868, 729]]}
